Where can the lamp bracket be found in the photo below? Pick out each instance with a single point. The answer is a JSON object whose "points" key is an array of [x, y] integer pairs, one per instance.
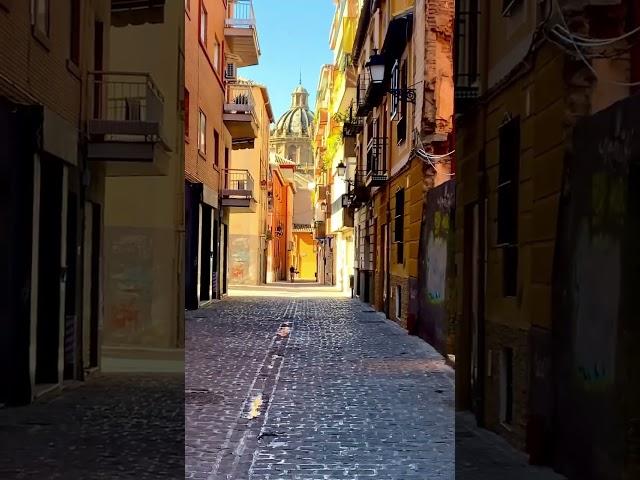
{"points": [[405, 95]]}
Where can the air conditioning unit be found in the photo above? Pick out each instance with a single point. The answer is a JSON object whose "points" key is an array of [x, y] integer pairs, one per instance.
{"points": [[231, 72]]}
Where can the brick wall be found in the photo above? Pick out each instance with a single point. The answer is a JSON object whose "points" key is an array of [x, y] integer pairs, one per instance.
{"points": [[206, 91], [40, 67]]}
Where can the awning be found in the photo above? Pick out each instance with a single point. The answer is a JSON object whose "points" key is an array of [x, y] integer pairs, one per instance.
{"points": [[398, 36]]}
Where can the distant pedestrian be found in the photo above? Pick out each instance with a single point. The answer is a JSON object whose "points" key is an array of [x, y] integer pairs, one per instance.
{"points": [[292, 271]]}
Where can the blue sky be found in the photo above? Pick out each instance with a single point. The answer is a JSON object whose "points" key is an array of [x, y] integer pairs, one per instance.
{"points": [[294, 36]]}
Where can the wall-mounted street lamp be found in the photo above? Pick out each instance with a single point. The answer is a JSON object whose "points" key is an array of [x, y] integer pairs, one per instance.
{"points": [[323, 207], [376, 66], [341, 169]]}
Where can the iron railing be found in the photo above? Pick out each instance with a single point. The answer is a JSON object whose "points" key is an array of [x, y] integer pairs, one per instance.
{"points": [[125, 96], [362, 85], [240, 14], [376, 156], [466, 50], [239, 98], [237, 183]]}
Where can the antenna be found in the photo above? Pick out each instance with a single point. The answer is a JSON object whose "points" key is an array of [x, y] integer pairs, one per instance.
{"points": [[300, 75]]}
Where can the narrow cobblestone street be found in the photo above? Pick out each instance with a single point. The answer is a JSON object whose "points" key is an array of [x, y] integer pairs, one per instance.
{"points": [[114, 426], [288, 387]]}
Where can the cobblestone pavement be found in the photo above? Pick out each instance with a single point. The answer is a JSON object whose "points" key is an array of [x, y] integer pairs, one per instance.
{"points": [[483, 455], [313, 388], [117, 426]]}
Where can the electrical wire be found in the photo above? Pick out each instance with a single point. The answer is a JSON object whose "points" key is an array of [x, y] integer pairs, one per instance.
{"points": [[429, 158], [596, 41], [582, 56]]}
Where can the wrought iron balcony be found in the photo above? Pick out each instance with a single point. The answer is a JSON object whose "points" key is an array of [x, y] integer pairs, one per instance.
{"points": [[376, 162], [240, 116], [240, 31], [237, 191], [125, 124], [125, 103], [368, 94], [359, 193], [466, 72]]}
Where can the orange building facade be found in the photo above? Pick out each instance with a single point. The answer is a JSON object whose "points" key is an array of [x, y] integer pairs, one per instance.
{"points": [[280, 207], [220, 37]]}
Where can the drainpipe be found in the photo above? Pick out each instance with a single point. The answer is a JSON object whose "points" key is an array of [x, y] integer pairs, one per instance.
{"points": [[635, 50]]}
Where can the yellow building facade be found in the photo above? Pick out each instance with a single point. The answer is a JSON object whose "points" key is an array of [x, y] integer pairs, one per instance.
{"points": [[525, 139], [395, 119], [335, 94], [248, 225]]}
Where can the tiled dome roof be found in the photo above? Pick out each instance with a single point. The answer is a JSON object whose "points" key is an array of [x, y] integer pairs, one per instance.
{"points": [[298, 120]]}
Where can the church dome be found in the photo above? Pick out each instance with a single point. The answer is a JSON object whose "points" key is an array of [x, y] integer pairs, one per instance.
{"points": [[298, 120]]}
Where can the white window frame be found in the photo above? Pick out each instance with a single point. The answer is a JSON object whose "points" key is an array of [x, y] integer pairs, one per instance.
{"points": [[202, 132]]}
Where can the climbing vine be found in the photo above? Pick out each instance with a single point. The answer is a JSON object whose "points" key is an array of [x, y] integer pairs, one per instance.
{"points": [[333, 143]]}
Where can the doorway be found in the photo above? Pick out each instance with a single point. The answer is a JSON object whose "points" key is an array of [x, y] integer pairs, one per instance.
{"points": [[206, 255], [70, 303], [472, 374], [96, 266], [51, 271]]}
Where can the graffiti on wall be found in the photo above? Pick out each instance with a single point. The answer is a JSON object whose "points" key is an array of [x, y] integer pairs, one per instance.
{"points": [[434, 255], [594, 309], [240, 260], [129, 288]]}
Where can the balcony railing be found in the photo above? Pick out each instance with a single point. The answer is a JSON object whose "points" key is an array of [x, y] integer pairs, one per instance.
{"points": [[240, 14], [239, 99], [466, 50], [125, 103], [351, 125], [362, 85], [376, 162], [237, 184]]}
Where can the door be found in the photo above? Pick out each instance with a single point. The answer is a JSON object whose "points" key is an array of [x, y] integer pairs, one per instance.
{"points": [[215, 245], [87, 285], [205, 254], [471, 385], [51, 272], [385, 269], [70, 301], [96, 281]]}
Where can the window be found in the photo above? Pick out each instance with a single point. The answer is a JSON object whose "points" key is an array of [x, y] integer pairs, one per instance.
{"points": [[41, 16], [185, 112], [398, 302], [401, 127], [395, 86], [216, 54], [216, 146], [74, 42], [203, 24], [202, 133], [467, 49], [508, 192], [506, 385], [398, 230]]}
